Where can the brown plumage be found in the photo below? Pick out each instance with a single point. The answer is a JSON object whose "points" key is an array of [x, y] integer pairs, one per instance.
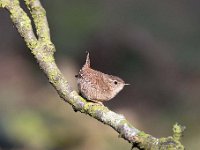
{"points": [[97, 86]]}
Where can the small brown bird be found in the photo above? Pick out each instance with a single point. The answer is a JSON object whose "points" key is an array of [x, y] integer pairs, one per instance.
{"points": [[97, 86]]}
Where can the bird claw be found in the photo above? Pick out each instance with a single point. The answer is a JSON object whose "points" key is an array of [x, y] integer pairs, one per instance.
{"points": [[93, 103], [98, 102]]}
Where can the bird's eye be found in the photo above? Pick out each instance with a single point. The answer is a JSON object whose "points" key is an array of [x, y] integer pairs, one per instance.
{"points": [[115, 82]]}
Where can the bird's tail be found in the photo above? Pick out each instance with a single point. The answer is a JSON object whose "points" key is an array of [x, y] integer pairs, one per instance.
{"points": [[87, 62]]}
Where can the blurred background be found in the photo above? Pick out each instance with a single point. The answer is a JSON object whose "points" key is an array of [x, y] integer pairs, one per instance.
{"points": [[153, 45]]}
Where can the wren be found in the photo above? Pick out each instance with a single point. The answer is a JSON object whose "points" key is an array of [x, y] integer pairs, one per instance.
{"points": [[96, 86]]}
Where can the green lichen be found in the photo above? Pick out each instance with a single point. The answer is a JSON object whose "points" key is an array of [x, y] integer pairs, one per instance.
{"points": [[146, 141], [76, 98], [23, 24], [32, 44], [15, 2], [91, 108], [170, 144], [141, 134], [178, 131], [48, 59], [3, 3], [98, 111], [53, 76], [26, 22], [39, 16], [28, 2], [7, 3]]}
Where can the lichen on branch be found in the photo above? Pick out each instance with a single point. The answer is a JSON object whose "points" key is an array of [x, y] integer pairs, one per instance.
{"points": [[43, 49]]}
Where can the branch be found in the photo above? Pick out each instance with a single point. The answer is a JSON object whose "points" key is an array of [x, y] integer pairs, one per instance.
{"points": [[43, 49]]}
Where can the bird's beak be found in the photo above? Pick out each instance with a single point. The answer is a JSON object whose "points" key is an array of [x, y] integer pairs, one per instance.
{"points": [[126, 84]]}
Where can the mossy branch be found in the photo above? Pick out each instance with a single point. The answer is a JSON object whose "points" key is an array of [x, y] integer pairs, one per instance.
{"points": [[43, 49]]}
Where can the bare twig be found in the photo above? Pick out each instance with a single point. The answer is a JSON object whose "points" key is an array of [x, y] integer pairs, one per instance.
{"points": [[43, 49]]}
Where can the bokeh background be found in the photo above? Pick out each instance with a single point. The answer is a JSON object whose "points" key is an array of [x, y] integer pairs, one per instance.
{"points": [[153, 45]]}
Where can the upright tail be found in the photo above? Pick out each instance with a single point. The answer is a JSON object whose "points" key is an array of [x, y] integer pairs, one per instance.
{"points": [[87, 62]]}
